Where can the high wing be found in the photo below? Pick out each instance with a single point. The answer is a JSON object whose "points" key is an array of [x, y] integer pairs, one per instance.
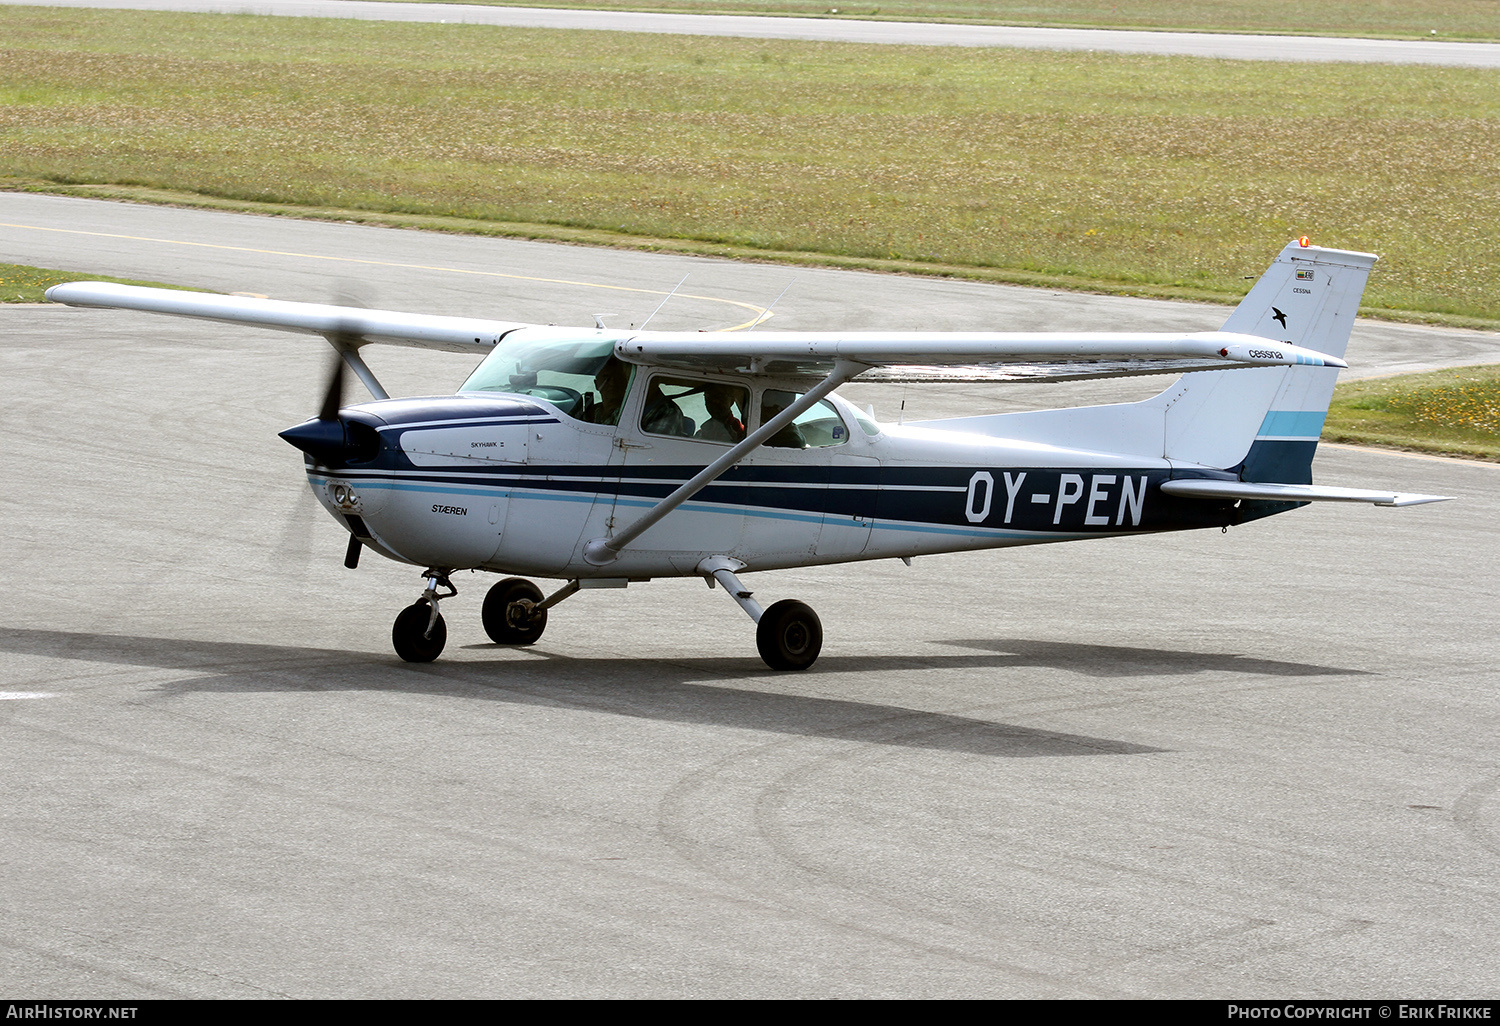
{"points": [[955, 356], [885, 355], [423, 331]]}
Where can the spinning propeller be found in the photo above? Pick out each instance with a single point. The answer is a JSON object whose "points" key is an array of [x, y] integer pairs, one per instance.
{"points": [[327, 438]]}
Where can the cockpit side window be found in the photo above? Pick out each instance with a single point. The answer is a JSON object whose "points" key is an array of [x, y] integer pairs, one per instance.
{"points": [[709, 411], [611, 386]]}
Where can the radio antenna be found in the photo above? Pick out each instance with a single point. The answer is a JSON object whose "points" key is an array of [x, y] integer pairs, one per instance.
{"points": [[663, 302], [765, 314]]}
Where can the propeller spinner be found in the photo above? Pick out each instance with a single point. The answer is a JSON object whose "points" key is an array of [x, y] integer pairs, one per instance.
{"points": [[325, 438]]}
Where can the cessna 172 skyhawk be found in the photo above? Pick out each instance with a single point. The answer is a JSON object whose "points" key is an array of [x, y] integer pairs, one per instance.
{"points": [[602, 457]]}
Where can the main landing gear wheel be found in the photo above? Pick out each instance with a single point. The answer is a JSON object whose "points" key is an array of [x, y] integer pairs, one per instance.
{"points": [[510, 615], [789, 635], [418, 637]]}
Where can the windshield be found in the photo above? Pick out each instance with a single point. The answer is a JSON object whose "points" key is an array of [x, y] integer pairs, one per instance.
{"points": [[570, 374]]}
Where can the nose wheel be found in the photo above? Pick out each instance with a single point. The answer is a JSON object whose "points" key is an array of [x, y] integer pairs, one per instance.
{"points": [[419, 632]]}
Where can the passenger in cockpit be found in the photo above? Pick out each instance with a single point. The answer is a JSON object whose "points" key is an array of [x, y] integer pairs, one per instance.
{"points": [[722, 425]]}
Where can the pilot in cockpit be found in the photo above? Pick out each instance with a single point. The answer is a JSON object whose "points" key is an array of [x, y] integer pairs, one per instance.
{"points": [[613, 382], [661, 415]]}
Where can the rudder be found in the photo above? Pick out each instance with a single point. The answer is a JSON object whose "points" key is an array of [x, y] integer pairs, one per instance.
{"points": [[1265, 423]]}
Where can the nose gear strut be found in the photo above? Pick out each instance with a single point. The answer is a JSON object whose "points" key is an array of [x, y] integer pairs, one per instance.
{"points": [[419, 632]]}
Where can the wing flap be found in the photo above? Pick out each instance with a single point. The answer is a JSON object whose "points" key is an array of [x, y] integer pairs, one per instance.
{"points": [[967, 356], [1081, 370]]}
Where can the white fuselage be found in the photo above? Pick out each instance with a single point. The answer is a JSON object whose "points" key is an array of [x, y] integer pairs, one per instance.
{"points": [[523, 488]]}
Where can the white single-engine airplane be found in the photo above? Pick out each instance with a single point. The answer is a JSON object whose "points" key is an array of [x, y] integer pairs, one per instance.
{"points": [[603, 457]]}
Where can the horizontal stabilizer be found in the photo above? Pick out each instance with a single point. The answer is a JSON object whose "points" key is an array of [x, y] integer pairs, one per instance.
{"points": [[1203, 489]]}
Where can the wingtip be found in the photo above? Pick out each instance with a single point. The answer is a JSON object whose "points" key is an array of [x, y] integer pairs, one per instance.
{"points": [[70, 292], [1414, 500]]}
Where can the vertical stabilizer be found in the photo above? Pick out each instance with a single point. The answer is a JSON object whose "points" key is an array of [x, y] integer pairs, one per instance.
{"points": [[1267, 422], [1261, 423]]}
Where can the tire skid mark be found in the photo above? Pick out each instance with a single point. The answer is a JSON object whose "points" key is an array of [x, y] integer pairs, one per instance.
{"points": [[771, 818], [96, 957], [1247, 939], [1477, 814], [741, 843]]}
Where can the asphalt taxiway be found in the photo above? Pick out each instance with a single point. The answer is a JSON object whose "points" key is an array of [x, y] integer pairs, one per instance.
{"points": [[1220, 45], [1261, 763]]}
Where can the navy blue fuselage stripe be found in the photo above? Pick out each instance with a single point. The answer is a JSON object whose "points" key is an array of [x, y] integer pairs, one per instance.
{"points": [[1046, 499], [1285, 461]]}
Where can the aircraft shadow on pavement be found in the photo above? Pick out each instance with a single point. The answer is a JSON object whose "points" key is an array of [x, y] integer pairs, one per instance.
{"points": [[1122, 661], [677, 690]]}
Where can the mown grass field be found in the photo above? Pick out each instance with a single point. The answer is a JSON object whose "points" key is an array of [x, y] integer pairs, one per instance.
{"points": [[1168, 176], [22, 284], [1451, 411], [1442, 19]]}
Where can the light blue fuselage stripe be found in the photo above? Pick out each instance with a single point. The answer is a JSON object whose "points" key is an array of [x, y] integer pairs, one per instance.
{"points": [[1292, 424], [977, 534]]}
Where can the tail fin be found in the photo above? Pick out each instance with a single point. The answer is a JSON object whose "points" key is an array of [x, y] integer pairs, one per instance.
{"points": [[1265, 423], [1262, 424]]}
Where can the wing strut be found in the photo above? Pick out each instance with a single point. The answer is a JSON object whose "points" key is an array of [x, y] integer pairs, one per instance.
{"points": [[348, 347], [603, 551]]}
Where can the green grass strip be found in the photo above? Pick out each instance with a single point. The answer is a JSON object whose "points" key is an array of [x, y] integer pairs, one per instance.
{"points": [[1143, 175], [1453, 412], [22, 284]]}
